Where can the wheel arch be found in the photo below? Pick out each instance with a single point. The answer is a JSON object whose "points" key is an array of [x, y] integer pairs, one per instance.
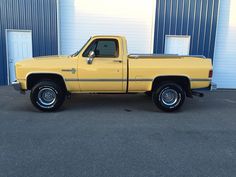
{"points": [[182, 80], [34, 78]]}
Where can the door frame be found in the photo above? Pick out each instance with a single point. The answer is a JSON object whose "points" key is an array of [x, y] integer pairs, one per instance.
{"points": [[6, 37]]}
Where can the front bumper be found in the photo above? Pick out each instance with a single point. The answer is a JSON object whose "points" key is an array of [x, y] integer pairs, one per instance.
{"points": [[17, 86]]}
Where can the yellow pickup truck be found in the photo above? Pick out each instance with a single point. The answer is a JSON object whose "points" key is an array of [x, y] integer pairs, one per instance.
{"points": [[103, 65]]}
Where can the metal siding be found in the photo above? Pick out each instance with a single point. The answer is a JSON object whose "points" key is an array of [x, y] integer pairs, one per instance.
{"points": [[174, 12], [180, 12], [40, 16], [168, 16], [197, 18], [214, 27]]}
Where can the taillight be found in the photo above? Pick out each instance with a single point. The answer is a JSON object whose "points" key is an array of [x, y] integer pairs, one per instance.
{"points": [[210, 74]]}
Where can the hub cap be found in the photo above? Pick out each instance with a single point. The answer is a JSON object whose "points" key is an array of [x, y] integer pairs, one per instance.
{"points": [[47, 96], [169, 97]]}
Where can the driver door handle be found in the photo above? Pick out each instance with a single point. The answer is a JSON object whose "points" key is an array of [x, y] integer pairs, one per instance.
{"points": [[117, 61]]}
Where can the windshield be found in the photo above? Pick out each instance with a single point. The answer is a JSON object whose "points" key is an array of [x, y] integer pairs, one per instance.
{"points": [[76, 53]]}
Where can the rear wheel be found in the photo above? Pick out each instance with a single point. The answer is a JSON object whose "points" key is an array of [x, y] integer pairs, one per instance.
{"points": [[168, 96], [47, 96]]}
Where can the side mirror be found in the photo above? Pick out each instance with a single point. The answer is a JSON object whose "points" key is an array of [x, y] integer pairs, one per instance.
{"points": [[91, 56]]}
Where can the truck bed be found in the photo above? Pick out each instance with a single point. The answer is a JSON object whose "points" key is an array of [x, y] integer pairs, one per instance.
{"points": [[143, 68]]}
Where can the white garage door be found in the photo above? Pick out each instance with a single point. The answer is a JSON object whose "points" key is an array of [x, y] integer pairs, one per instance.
{"points": [[81, 19], [225, 49]]}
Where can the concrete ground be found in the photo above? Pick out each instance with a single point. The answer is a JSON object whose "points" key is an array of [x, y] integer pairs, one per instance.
{"points": [[118, 136]]}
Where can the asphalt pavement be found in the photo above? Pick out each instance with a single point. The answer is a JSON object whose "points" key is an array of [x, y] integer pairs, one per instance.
{"points": [[105, 135]]}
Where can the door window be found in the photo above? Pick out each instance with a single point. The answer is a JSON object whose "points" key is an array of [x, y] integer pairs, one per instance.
{"points": [[104, 48]]}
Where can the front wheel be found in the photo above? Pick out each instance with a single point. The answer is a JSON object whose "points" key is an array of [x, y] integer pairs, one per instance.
{"points": [[168, 97], [47, 96]]}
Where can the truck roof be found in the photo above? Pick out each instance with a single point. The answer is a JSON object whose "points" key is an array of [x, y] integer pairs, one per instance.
{"points": [[107, 36]]}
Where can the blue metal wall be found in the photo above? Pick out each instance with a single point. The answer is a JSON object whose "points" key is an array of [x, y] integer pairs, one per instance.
{"points": [[197, 18], [40, 16]]}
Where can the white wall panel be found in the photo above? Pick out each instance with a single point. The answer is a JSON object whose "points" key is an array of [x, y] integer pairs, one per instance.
{"points": [[19, 47], [225, 48], [179, 45], [81, 19]]}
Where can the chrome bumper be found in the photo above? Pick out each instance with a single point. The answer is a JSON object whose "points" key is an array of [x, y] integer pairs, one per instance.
{"points": [[213, 86], [16, 85]]}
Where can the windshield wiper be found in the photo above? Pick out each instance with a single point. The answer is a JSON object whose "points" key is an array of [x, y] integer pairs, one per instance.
{"points": [[76, 53]]}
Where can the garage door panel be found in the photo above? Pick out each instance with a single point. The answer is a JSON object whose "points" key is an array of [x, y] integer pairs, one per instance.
{"points": [[81, 19], [225, 51]]}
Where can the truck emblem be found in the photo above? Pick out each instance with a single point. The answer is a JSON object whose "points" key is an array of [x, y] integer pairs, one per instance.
{"points": [[72, 70]]}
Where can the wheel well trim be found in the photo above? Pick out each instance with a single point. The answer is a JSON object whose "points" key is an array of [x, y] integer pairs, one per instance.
{"points": [[50, 73], [181, 75]]}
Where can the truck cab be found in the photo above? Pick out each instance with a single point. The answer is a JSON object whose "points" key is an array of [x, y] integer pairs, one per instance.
{"points": [[102, 65]]}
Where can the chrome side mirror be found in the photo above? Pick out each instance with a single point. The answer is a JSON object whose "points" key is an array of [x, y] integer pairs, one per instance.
{"points": [[90, 58]]}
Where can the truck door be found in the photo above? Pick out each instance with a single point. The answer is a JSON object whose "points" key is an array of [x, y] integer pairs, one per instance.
{"points": [[104, 71]]}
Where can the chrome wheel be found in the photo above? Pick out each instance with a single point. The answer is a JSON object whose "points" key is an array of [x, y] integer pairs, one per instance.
{"points": [[47, 97], [169, 97]]}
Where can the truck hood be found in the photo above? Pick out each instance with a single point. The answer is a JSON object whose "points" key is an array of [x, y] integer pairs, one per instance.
{"points": [[51, 57], [42, 59], [46, 64]]}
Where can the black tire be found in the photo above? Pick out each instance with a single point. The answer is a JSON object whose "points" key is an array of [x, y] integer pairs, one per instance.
{"points": [[47, 96], [171, 102]]}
